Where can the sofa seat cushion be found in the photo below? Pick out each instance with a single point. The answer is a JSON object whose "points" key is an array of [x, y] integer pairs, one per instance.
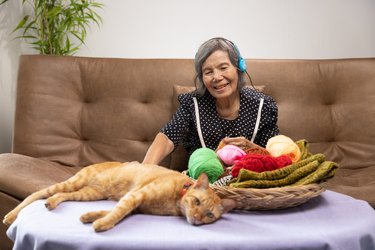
{"points": [[25, 175], [358, 183]]}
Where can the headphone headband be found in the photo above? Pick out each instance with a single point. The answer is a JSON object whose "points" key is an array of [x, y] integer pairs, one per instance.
{"points": [[240, 62]]}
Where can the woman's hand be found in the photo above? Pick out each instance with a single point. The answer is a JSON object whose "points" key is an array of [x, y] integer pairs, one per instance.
{"points": [[240, 142]]}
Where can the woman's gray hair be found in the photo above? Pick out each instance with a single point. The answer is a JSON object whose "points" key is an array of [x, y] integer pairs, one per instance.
{"points": [[205, 50]]}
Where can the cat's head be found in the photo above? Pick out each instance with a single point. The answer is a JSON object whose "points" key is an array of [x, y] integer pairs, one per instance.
{"points": [[201, 205]]}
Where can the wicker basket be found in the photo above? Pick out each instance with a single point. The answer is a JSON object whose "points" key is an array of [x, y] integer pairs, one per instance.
{"points": [[269, 198]]}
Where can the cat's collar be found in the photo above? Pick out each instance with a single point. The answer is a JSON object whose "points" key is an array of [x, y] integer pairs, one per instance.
{"points": [[185, 188]]}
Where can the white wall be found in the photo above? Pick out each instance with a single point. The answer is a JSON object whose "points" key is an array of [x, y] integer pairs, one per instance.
{"points": [[175, 28], [261, 28], [9, 52]]}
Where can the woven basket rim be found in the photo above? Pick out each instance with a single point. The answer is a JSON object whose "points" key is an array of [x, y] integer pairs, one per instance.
{"points": [[269, 198]]}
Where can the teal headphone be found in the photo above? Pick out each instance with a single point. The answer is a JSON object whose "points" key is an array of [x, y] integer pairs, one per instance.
{"points": [[241, 62], [242, 66]]}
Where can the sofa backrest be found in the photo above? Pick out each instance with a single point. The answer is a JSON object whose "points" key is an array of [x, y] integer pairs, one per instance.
{"points": [[331, 103], [77, 111], [80, 110]]}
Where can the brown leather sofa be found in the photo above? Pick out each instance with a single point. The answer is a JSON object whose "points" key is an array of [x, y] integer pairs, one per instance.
{"points": [[74, 111]]}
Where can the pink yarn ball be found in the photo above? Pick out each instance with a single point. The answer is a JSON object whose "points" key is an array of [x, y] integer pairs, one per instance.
{"points": [[230, 154]]}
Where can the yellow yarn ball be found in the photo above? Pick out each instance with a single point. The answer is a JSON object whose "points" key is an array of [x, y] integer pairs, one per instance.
{"points": [[283, 145]]}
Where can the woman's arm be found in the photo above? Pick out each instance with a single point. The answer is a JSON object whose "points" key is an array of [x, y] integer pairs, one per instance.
{"points": [[172, 133], [159, 149]]}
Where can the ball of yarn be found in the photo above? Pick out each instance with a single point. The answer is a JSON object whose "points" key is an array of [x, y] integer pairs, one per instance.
{"points": [[229, 154], [283, 145], [260, 163], [205, 160]]}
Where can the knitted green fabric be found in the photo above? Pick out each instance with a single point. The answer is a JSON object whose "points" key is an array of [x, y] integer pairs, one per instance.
{"points": [[325, 171], [277, 174], [288, 180], [304, 147], [309, 169]]}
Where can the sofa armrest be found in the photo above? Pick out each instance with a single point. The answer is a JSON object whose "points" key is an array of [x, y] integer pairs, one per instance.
{"points": [[22, 175]]}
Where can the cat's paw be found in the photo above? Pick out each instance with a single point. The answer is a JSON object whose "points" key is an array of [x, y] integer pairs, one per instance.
{"points": [[10, 218], [50, 204], [92, 216], [101, 225]]}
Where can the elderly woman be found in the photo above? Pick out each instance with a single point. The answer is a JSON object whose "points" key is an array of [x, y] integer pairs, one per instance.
{"points": [[220, 107]]}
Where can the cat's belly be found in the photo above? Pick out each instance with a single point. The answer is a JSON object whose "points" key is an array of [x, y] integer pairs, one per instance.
{"points": [[112, 191], [159, 209]]}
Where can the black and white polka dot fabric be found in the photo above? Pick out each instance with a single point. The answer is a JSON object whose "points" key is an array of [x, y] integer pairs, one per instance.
{"points": [[183, 128]]}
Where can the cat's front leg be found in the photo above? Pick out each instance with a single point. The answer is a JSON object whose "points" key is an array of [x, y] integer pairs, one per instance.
{"points": [[93, 216], [103, 224], [124, 207], [110, 219]]}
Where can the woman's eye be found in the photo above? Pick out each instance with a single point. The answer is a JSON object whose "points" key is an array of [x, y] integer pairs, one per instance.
{"points": [[197, 201]]}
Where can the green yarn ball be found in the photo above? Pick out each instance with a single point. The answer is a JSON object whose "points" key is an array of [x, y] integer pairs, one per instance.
{"points": [[205, 160]]}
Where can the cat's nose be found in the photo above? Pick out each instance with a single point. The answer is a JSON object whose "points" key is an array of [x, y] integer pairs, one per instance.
{"points": [[197, 219]]}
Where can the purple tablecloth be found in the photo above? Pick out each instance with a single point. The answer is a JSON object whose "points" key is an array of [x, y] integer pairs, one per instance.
{"points": [[330, 221]]}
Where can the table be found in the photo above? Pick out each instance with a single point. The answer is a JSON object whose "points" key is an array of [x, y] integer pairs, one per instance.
{"points": [[330, 221]]}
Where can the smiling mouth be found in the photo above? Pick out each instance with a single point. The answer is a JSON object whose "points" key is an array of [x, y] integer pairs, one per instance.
{"points": [[221, 86]]}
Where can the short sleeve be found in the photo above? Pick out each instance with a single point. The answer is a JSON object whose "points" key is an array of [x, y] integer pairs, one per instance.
{"points": [[178, 127]]}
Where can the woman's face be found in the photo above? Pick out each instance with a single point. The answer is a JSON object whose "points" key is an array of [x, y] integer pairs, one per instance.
{"points": [[220, 76]]}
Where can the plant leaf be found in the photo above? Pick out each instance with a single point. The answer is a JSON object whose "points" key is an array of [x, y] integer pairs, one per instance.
{"points": [[21, 24], [58, 26], [4, 1]]}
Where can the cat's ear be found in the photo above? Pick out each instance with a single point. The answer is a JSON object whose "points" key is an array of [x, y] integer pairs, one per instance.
{"points": [[202, 181], [228, 205]]}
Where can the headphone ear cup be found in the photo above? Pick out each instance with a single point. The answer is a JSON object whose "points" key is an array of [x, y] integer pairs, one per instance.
{"points": [[242, 64]]}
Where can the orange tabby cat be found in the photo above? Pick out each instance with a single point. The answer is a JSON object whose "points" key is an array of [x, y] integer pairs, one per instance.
{"points": [[148, 188]]}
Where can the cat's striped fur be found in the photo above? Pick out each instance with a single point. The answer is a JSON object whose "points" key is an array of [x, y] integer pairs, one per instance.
{"points": [[137, 187]]}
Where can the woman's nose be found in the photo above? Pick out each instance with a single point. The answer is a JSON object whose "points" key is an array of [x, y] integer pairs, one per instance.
{"points": [[217, 76]]}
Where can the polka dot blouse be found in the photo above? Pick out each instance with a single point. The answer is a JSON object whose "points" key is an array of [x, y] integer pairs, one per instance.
{"points": [[183, 128]]}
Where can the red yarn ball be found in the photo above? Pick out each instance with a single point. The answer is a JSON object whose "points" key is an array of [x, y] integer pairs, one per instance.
{"points": [[260, 163]]}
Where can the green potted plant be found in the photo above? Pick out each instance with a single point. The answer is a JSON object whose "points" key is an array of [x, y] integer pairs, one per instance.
{"points": [[57, 27]]}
